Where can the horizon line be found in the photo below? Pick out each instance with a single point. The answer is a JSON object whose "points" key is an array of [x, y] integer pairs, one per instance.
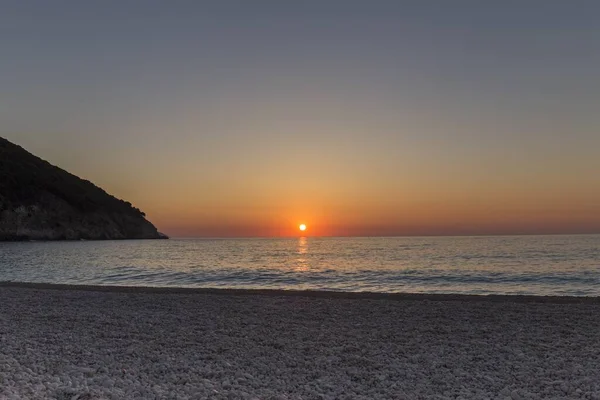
{"points": [[383, 236]]}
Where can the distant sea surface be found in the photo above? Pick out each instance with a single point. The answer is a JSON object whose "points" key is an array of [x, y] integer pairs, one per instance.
{"points": [[533, 265]]}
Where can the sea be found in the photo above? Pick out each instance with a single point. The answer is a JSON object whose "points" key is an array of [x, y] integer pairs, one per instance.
{"points": [[524, 265]]}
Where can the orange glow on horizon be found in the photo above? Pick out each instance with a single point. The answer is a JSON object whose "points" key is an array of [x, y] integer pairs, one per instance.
{"points": [[423, 208]]}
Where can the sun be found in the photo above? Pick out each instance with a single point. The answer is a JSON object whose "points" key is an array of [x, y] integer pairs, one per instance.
{"points": [[302, 227]]}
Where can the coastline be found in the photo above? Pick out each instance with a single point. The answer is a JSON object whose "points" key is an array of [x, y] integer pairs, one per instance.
{"points": [[397, 296], [27, 239], [98, 342]]}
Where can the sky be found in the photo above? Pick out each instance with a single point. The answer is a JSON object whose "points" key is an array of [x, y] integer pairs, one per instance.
{"points": [[247, 118]]}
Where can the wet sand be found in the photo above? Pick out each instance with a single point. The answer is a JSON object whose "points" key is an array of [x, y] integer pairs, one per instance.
{"points": [[64, 342]]}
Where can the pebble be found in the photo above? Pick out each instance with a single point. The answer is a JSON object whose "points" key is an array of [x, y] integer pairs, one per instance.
{"points": [[113, 345]]}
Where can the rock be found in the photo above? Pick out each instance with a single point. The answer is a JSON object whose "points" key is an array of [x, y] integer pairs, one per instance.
{"points": [[39, 201]]}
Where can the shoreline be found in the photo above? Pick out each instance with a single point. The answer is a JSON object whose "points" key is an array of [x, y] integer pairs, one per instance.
{"points": [[107, 342], [307, 293]]}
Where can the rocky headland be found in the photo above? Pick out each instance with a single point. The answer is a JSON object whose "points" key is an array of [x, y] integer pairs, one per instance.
{"points": [[39, 201]]}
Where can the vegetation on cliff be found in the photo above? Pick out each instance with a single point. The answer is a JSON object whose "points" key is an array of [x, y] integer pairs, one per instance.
{"points": [[39, 201]]}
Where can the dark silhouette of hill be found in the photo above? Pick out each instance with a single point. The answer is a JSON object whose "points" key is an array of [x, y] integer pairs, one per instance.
{"points": [[39, 201]]}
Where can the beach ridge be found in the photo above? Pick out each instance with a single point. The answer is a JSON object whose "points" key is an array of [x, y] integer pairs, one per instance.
{"points": [[397, 296]]}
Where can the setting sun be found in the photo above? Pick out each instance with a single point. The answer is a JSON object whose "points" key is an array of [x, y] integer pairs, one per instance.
{"points": [[302, 227]]}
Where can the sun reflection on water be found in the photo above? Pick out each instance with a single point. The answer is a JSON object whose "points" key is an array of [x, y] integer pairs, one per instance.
{"points": [[302, 264]]}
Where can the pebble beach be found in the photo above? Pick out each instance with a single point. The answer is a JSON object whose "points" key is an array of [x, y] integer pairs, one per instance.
{"points": [[60, 342]]}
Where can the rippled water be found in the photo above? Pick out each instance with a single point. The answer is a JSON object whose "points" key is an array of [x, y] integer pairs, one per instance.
{"points": [[541, 265]]}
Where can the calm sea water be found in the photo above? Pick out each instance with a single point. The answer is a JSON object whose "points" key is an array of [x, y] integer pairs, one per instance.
{"points": [[540, 265]]}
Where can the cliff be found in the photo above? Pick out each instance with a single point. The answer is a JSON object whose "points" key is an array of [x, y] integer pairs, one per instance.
{"points": [[39, 201]]}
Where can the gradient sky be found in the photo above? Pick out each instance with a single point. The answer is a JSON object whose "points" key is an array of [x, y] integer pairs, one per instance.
{"points": [[245, 118]]}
